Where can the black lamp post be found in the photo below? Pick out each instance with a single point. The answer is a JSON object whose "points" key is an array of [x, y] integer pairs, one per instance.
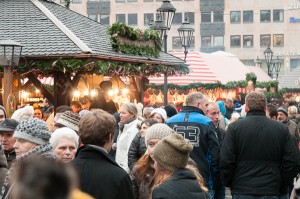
{"points": [[277, 66], [257, 62], [268, 57], [162, 24], [186, 32], [10, 52]]}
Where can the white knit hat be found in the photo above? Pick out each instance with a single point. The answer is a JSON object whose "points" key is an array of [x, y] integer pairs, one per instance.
{"points": [[157, 131], [23, 113], [160, 111]]}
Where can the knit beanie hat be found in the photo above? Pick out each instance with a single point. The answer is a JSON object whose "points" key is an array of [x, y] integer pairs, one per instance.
{"points": [[283, 110], [33, 130], [160, 111], [69, 119], [23, 113], [157, 131], [238, 107], [172, 152]]}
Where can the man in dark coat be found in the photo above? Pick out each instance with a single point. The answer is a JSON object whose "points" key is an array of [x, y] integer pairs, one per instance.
{"points": [[193, 125], [258, 156], [99, 175], [7, 128]]}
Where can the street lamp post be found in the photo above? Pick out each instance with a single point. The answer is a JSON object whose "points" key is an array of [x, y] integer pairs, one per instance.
{"points": [[268, 57], [10, 52], [186, 32], [257, 62], [163, 23], [277, 66]]}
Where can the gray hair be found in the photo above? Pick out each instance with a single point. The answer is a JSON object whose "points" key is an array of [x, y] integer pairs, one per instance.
{"points": [[194, 98], [63, 132]]}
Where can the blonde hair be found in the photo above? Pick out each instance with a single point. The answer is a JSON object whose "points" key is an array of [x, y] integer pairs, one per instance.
{"points": [[292, 111], [131, 108]]}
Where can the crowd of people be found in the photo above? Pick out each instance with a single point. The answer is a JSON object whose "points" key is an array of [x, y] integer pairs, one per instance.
{"points": [[84, 151]]}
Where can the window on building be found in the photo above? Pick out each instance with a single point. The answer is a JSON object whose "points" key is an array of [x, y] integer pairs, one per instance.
{"points": [[176, 43], [76, 1], [205, 17], [265, 40], [120, 1], [235, 41], [265, 15], [177, 18], [147, 18], [218, 40], [94, 17], [235, 16], [132, 0], [132, 19], [121, 18], [218, 16], [192, 43], [278, 40], [248, 41], [248, 16], [148, 0], [104, 19], [191, 16], [205, 41], [278, 15], [294, 63]]}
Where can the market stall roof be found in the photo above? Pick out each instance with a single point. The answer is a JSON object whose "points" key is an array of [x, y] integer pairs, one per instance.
{"points": [[212, 67], [47, 29]]}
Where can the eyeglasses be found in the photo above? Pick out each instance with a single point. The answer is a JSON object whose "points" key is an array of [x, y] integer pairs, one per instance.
{"points": [[1, 116]]}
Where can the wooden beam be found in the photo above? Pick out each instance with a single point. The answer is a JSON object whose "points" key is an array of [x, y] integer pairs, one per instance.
{"points": [[45, 92]]}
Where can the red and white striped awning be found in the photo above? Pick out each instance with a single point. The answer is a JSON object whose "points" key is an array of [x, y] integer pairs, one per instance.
{"points": [[199, 71]]}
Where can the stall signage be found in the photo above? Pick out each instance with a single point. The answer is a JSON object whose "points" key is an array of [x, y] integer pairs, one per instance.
{"points": [[294, 6]]}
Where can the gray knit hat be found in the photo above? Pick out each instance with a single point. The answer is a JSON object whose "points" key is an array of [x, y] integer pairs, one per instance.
{"points": [[172, 152], [33, 130], [157, 131], [69, 119], [283, 110]]}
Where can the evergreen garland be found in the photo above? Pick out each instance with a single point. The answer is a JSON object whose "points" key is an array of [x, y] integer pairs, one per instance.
{"points": [[118, 30]]}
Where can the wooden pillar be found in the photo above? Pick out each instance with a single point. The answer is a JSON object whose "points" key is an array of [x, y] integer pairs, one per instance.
{"points": [[8, 80]]}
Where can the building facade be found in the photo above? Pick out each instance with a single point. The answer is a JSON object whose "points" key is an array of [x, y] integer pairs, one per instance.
{"points": [[241, 27]]}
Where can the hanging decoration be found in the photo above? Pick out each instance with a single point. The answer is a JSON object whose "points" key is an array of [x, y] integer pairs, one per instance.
{"points": [[128, 40]]}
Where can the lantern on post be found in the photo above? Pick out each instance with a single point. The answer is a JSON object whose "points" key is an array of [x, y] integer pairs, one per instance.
{"points": [[268, 57], [186, 34], [10, 52]]}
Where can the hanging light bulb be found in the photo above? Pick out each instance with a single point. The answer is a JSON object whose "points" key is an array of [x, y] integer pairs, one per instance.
{"points": [[116, 91], [77, 94], [86, 93], [125, 91], [93, 92], [111, 93]]}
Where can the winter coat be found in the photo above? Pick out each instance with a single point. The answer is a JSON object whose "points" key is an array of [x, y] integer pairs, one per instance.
{"points": [[200, 131], [182, 184], [10, 157], [137, 149], [3, 167], [258, 156], [141, 189], [296, 119], [123, 143], [100, 176]]}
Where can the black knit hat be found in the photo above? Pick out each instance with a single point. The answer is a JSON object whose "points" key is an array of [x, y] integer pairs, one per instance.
{"points": [[283, 110]]}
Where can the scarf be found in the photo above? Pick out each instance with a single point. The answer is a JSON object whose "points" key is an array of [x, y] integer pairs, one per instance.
{"points": [[43, 150], [121, 125]]}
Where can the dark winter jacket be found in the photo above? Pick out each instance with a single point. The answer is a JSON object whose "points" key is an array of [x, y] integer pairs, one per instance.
{"points": [[182, 184], [100, 176], [137, 149], [3, 167], [200, 131], [258, 156], [10, 157]]}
